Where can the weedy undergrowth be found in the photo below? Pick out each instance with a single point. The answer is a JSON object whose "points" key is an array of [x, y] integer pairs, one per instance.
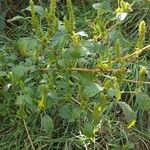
{"points": [[67, 87]]}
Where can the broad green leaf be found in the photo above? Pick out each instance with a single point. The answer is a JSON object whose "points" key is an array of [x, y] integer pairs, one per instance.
{"points": [[24, 99], [116, 34], [69, 113], [19, 72], [76, 52], [88, 130], [76, 112], [3, 73], [65, 112], [92, 89], [38, 9], [26, 45], [143, 101], [102, 7], [58, 40], [32, 43], [20, 100], [21, 113], [47, 124], [114, 92], [129, 113], [111, 92]]}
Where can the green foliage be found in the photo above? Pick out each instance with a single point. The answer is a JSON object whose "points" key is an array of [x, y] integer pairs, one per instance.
{"points": [[61, 85], [129, 113], [88, 130], [143, 101], [102, 7], [47, 124], [91, 89], [70, 113]]}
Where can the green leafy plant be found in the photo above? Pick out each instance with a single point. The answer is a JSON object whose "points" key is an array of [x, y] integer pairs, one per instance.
{"points": [[69, 90]]}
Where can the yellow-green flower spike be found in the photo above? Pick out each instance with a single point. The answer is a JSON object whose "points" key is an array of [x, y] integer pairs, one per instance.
{"points": [[142, 74], [51, 18], [123, 7], [35, 21], [53, 8], [70, 22], [141, 35], [41, 104]]}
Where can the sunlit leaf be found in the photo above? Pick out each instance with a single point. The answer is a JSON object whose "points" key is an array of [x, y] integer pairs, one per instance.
{"points": [[82, 33], [114, 92], [88, 130], [121, 16], [92, 89], [116, 34], [143, 101], [38, 9], [102, 7], [129, 113]]}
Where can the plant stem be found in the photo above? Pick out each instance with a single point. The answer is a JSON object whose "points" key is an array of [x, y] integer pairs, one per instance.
{"points": [[29, 137]]}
